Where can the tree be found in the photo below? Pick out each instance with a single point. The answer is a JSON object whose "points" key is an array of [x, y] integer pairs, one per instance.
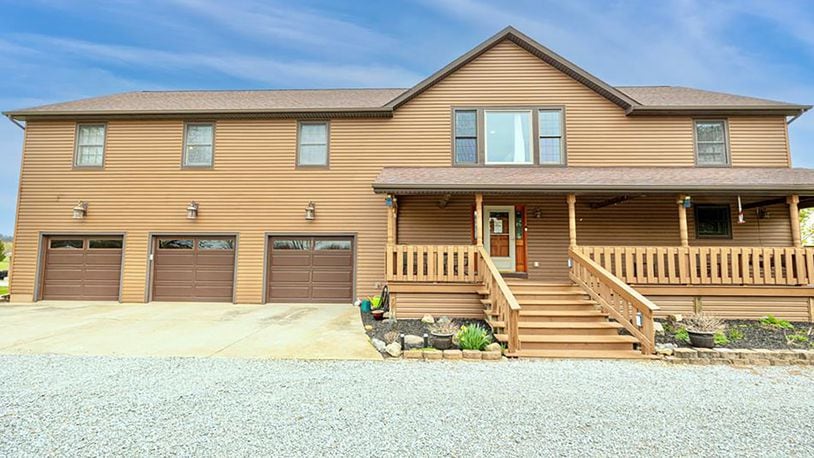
{"points": [[2, 251], [807, 226]]}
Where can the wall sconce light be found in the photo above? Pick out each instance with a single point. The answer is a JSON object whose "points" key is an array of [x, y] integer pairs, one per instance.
{"points": [[192, 210], [310, 211], [81, 210], [687, 202], [390, 201]]}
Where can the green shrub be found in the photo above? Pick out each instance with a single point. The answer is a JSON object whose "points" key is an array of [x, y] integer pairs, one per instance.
{"points": [[682, 335], [473, 337], [773, 322], [2, 251], [734, 334], [797, 338], [721, 339]]}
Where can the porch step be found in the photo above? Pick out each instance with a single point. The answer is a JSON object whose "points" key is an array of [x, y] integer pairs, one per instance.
{"points": [[576, 342], [561, 315], [588, 354], [555, 302], [607, 328]]}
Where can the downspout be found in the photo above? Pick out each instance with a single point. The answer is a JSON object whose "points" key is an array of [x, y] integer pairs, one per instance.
{"points": [[17, 123]]}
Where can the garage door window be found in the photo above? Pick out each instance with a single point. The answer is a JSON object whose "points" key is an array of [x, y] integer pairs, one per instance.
{"points": [[175, 244], [67, 244], [333, 245], [216, 244], [278, 244], [105, 244]]}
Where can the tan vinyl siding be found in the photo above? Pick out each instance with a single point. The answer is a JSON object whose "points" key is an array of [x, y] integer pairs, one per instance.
{"points": [[736, 307], [458, 305], [254, 188]]}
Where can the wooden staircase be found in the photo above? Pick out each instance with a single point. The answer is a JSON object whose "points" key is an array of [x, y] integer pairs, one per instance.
{"points": [[560, 320]]}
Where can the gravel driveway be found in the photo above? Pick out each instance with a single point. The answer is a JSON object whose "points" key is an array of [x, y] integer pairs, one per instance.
{"points": [[57, 405]]}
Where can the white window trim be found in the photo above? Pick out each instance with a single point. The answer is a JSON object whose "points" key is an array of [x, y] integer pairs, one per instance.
{"points": [[727, 159], [79, 127], [327, 144], [211, 144], [486, 160]]}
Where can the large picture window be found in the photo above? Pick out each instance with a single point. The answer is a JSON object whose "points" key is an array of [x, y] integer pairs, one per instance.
{"points": [[508, 137]]}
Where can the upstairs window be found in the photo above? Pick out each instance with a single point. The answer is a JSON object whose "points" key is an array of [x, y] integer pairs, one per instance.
{"points": [[550, 128], [313, 144], [90, 145], [710, 143], [712, 221], [466, 136], [508, 137], [199, 145]]}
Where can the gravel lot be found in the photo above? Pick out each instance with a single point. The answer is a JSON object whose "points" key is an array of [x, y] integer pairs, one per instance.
{"points": [[54, 405]]}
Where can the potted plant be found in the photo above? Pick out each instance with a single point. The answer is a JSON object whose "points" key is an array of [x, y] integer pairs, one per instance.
{"points": [[442, 332], [376, 308], [701, 330]]}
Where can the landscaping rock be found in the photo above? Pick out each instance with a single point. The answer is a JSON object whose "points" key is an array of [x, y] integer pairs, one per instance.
{"points": [[492, 355], [664, 351], [379, 345], [412, 341], [443, 319], [685, 353], [428, 319], [453, 354], [413, 354], [391, 336], [658, 327], [472, 354], [433, 354], [368, 327], [494, 346], [677, 317], [393, 349]]}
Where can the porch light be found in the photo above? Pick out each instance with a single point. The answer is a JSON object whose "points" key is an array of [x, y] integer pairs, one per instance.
{"points": [[192, 210], [687, 202], [390, 201], [81, 210], [311, 211]]}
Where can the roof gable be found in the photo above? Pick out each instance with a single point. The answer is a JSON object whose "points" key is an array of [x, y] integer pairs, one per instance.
{"points": [[555, 60]]}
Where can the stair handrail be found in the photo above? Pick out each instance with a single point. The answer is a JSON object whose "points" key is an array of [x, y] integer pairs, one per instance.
{"points": [[501, 298], [615, 297]]}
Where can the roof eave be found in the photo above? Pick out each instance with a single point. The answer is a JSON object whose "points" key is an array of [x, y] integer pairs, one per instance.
{"points": [[408, 188], [23, 115], [707, 110]]}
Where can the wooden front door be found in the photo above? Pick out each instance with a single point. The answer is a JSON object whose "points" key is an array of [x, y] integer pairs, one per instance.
{"points": [[499, 236]]}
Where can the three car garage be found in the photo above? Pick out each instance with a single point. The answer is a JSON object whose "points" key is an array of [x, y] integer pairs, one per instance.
{"points": [[199, 268]]}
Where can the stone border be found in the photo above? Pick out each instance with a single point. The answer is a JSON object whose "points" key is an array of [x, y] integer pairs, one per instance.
{"points": [[455, 355], [738, 357]]}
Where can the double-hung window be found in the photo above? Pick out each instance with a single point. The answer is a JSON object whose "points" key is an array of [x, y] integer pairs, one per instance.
{"points": [[90, 145], [550, 131], [312, 148], [710, 143], [508, 137], [713, 221], [466, 136], [199, 144]]}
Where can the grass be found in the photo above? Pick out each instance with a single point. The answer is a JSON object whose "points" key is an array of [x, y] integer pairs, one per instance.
{"points": [[3, 290], [4, 263]]}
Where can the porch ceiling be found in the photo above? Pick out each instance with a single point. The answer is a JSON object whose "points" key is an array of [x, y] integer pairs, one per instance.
{"points": [[765, 181]]}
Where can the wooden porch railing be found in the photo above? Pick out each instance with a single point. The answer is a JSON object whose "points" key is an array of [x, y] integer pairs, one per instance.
{"points": [[432, 263], [503, 304], [623, 303], [647, 265]]}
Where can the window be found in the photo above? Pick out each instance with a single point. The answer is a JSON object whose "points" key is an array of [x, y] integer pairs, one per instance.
{"points": [[198, 145], [710, 143], [77, 244], [175, 244], [313, 144], [466, 136], [550, 126], [216, 244], [105, 244], [90, 145], [279, 244], [508, 137], [332, 245], [713, 221]]}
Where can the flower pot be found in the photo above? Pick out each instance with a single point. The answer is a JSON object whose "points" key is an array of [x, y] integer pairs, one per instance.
{"points": [[365, 305], [378, 315], [702, 339], [442, 341]]}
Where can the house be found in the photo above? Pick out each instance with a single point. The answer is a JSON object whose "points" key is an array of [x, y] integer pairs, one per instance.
{"points": [[511, 185]]}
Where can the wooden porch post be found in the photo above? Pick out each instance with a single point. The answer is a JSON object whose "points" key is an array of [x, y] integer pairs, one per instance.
{"points": [[479, 219], [572, 220], [682, 221], [392, 223], [794, 216]]}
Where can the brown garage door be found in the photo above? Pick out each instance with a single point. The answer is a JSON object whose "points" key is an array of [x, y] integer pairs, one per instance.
{"points": [[310, 269], [82, 268], [193, 269]]}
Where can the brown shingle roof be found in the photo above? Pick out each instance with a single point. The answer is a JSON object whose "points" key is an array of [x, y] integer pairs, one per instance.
{"points": [[585, 179], [685, 96]]}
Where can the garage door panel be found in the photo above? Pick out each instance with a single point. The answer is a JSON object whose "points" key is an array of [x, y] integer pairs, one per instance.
{"points": [[227, 260], [224, 292], [105, 275], [215, 275], [73, 271], [199, 269], [104, 259], [172, 258], [318, 269], [63, 274], [174, 275], [63, 258], [101, 291]]}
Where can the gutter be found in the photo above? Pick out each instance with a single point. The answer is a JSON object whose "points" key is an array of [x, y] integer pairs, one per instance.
{"points": [[17, 123], [502, 188]]}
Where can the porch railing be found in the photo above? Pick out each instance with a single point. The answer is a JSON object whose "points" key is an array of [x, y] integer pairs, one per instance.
{"points": [[623, 303], [503, 305], [432, 263], [647, 265]]}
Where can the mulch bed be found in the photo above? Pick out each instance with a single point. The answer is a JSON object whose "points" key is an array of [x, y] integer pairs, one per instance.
{"points": [[755, 335], [415, 327]]}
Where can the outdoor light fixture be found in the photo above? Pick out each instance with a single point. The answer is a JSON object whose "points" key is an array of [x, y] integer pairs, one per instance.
{"points": [[390, 201], [81, 210], [310, 211], [687, 202], [192, 210]]}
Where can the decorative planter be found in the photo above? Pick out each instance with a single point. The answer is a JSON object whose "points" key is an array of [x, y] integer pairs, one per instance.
{"points": [[442, 341], [702, 339], [378, 315]]}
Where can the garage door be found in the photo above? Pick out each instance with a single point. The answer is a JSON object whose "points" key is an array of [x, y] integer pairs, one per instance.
{"points": [[193, 269], [310, 269], [82, 268]]}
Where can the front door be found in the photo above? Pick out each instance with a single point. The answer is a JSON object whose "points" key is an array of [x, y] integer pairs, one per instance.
{"points": [[499, 236]]}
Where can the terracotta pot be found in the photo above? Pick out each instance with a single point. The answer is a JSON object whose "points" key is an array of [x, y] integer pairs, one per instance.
{"points": [[442, 341], [702, 339], [378, 315]]}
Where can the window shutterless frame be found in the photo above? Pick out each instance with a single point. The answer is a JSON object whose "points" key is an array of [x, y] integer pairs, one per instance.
{"points": [[187, 124], [727, 155], [535, 129], [726, 212], [327, 163], [79, 126]]}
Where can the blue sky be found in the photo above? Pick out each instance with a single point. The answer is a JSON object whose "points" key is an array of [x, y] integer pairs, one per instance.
{"points": [[60, 50]]}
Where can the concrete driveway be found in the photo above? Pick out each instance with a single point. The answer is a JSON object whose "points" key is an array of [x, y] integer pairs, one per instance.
{"points": [[280, 331]]}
